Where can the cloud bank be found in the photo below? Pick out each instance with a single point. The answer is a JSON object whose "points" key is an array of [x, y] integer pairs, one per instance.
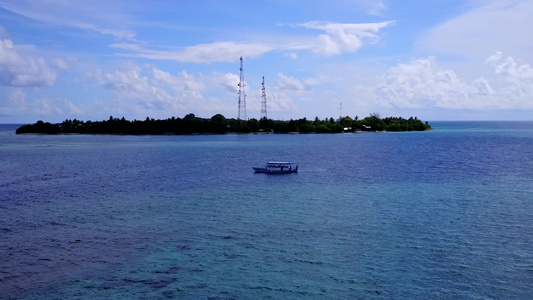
{"points": [[487, 27], [505, 84], [20, 69], [340, 38], [202, 53]]}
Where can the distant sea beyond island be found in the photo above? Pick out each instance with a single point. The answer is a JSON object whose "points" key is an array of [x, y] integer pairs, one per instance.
{"points": [[218, 124]]}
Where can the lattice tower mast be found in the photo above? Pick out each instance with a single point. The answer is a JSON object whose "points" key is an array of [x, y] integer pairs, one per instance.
{"points": [[264, 102], [242, 96], [340, 115]]}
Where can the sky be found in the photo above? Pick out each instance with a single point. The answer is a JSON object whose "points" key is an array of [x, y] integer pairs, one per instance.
{"points": [[433, 59]]}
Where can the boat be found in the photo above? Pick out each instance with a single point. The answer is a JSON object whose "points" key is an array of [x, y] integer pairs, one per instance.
{"points": [[277, 167]]}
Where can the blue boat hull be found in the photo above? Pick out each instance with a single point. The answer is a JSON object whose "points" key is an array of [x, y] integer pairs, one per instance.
{"points": [[268, 171]]}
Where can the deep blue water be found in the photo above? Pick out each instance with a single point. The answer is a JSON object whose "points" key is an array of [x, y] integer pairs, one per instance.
{"points": [[444, 214]]}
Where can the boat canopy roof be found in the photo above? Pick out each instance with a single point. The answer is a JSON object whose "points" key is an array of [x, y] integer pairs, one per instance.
{"points": [[281, 163]]}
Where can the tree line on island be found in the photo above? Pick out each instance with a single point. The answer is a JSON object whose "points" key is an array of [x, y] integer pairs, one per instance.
{"points": [[218, 124]]}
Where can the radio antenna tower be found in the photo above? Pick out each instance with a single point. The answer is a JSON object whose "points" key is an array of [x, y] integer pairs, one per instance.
{"points": [[263, 101], [340, 118], [242, 96]]}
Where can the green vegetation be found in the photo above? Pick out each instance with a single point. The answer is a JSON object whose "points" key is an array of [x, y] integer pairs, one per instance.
{"points": [[218, 124]]}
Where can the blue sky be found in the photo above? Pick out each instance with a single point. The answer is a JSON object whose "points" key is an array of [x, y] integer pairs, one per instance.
{"points": [[434, 59]]}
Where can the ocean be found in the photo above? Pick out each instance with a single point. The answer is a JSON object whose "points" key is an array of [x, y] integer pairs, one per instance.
{"points": [[441, 214]]}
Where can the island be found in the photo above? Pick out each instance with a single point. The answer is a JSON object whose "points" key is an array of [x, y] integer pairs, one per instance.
{"points": [[218, 124]]}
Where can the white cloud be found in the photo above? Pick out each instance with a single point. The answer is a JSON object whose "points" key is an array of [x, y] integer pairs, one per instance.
{"points": [[377, 8], [509, 68], [279, 102], [117, 33], [286, 83], [339, 38], [223, 51], [489, 26], [53, 107], [16, 101], [202, 53], [133, 93], [186, 85], [229, 82], [292, 56], [17, 98], [165, 78], [481, 86], [421, 83], [151, 91], [18, 68], [20, 106], [129, 85], [69, 14], [511, 80], [60, 63], [72, 108]]}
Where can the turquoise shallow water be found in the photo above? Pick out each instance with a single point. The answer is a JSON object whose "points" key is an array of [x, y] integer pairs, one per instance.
{"points": [[445, 214]]}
